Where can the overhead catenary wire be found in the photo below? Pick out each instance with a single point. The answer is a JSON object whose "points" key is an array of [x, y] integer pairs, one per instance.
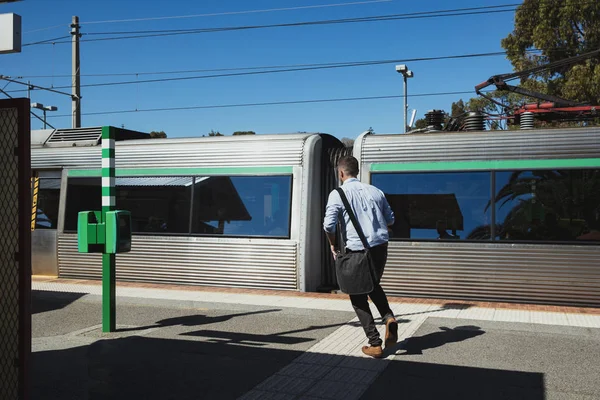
{"points": [[237, 12], [212, 14], [46, 41], [437, 13], [332, 100], [188, 71], [292, 68], [32, 86], [30, 110], [378, 18]]}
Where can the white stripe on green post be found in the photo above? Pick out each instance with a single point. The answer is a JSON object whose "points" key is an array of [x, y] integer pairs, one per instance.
{"points": [[108, 204]]}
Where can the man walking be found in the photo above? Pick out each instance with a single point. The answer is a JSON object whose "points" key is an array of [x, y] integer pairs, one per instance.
{"points": [[374, 215]]}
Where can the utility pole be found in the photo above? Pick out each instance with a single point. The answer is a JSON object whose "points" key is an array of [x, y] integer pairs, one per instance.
{"points": [[76, 93], [406, 73]]}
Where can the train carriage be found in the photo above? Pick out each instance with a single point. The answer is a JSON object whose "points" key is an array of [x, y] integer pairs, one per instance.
{"points": [[241, 211], [486, 215], [491, 215]]}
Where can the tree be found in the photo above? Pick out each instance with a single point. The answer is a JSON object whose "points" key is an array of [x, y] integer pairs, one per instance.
{"points": [[158, 134], [213, 133], [237, 133], [559, 29], [421, 123], [546, 31], [458, 109], [348, 142]]}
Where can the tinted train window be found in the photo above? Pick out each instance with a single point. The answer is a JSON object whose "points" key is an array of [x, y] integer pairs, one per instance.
{"points": [[548, 205], [445, 206], [48, 197], [242, 206], [157, 204], [83, 194]]}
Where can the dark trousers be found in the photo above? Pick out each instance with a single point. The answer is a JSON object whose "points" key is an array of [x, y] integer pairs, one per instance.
{"points": [[360, 302]]}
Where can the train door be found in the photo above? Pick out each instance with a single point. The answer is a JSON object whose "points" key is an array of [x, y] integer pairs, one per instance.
{"points": [[45, 198]]}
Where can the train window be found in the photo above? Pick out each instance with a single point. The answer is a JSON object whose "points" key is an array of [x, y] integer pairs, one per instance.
{"points": [[548, 205], [83, 194], [157, 204], [242, 206], [46, 208], [438, 205]]}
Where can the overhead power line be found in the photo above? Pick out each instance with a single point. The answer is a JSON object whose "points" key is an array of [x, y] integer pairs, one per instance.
{"points": [[213, 14], [267, 103], [189, 71], [30, 110], [47, 41], [288, 68], [237, 12], [378, 18]]}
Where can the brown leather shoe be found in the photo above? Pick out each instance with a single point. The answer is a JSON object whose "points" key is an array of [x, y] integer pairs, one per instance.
{"points": [[373, 351], [391, 333]]}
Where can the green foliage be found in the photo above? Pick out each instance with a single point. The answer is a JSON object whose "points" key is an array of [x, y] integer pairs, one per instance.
{"points": [[559, 29], [214, 133], [158, 134], [347, 142], [237, 133], [458, 108], [546, 31], [421, 123]]}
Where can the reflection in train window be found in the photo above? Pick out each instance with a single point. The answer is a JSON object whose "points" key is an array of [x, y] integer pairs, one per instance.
{"points": [[242, 206], [48, 196], [83, 194], [222, 205], [445, 206], [157, 204], [548, 205]]}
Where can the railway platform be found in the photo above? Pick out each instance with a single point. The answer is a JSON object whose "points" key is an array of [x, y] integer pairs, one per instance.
{"points": [[208, 342]]}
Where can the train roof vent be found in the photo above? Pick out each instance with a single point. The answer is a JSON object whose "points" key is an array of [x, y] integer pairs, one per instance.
{"points": [[75, 137]]}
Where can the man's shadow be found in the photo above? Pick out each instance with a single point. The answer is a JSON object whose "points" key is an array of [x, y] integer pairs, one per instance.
{"points": [[194, 320], [416, 345]]}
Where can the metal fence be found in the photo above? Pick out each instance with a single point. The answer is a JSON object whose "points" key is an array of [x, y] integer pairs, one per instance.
{"points": [[15, 253]]}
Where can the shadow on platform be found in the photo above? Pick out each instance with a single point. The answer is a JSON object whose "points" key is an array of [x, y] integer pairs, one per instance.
{"points": [[416, 344], [152, 368], [43, 301]]}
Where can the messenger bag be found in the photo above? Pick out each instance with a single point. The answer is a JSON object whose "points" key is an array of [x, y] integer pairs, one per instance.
{"points": [[354, 270]]}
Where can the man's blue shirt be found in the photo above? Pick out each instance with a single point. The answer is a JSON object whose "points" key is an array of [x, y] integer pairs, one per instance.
{"points": [[372, 211]]}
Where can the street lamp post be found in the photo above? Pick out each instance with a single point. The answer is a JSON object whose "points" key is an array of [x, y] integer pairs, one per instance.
{"points": [[406, 73], [40, 106]]}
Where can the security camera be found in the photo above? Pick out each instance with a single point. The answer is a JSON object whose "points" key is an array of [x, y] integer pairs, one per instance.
{"points": [[401, 68], [409, 74]]}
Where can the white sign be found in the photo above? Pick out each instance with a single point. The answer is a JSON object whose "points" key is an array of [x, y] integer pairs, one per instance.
{"points": [[10, 33]]}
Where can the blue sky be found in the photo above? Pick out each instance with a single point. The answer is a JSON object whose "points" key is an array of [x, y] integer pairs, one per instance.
{"points": [[401, 39]]}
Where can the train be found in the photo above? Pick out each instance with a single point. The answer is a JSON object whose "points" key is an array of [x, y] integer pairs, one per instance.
{"points": [[481, 215]]}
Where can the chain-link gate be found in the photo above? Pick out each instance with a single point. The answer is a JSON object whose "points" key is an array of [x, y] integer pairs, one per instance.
{"points": [[15, 245]]}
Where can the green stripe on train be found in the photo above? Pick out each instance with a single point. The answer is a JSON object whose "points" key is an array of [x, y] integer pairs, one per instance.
{"points": [[487, 165]]}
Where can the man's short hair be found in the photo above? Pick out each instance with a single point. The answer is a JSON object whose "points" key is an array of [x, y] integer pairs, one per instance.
{"points": [[349, 165]]}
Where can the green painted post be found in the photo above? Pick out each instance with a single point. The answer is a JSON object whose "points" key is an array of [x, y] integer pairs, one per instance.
{"points": [[108, 204]]}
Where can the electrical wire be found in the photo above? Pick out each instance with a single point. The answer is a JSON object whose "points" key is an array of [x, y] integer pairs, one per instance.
{"points": [[30, 110], [175, 72], [236, 12], [268, 103], [211, 14], [296, 68], [47, 41], [390, 17]]}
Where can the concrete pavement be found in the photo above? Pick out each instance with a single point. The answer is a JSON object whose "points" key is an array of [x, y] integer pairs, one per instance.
{"points": [[232, 344]]}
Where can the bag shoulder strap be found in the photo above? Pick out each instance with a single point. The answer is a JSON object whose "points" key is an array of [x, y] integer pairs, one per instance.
{"points": [[353, 218]]}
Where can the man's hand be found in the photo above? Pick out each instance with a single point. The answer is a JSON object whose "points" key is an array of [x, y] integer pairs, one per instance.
{"points": [[334, 251]]}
